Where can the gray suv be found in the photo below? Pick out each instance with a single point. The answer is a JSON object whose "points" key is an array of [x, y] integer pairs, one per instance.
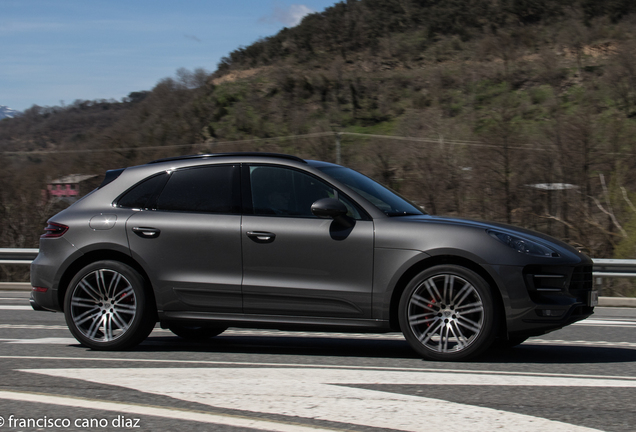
{"points": [[202, 243]]}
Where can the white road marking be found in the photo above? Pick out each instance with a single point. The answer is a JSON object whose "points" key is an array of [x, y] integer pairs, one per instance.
{"points": [[45, 341], [124, 408], [608, 320], [532, 341], [323, 394], [301, 334], [606, 323], [318, 366], [8, 307], [580, 343], [33, 326]]}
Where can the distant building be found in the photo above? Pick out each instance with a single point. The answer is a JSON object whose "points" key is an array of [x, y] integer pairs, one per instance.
{"points": [[71, 187]]}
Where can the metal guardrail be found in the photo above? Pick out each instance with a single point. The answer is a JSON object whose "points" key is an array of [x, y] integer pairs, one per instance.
{"points": [[602, 267], [17, 256], [614, 268]]}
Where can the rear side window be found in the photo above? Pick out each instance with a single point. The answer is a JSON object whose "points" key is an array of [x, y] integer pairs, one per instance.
{"points": [[140, 196], [209, 189]]}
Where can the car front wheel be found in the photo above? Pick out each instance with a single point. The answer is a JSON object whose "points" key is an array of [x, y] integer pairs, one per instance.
{"points": [[447, 313], [107, 307]]}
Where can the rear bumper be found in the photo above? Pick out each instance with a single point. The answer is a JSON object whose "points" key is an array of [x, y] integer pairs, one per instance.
{"points": [[47, 270], [36, 306]]}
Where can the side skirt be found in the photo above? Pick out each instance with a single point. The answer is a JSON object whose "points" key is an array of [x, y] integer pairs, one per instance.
{"points": [[279, 322]]}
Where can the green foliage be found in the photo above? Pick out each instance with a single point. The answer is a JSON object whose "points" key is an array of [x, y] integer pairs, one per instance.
{"points": [[384, 128], [409, 26], [626, 248], [541, 94]]}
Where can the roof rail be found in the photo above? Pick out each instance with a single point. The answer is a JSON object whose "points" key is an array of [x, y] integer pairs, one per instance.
{"points": [[212, 155]]}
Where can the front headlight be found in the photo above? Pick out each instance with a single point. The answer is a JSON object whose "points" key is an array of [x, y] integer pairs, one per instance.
{"points": [[523, 245]]}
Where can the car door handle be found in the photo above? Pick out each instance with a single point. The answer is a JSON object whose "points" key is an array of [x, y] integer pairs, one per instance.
{"points": [[261, 237], [145, 232]]}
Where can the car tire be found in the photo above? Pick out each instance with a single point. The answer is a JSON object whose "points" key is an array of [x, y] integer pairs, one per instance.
{"points": [[195, 333], [107, 306], [447, 313]]}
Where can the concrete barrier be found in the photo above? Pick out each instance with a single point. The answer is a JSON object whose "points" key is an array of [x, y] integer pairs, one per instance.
{"points": [[15, 286], [617, 301]]}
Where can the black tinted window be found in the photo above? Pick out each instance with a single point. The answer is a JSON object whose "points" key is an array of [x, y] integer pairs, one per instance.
{"points": [[212, 189], [139, 196], [287, 192]]}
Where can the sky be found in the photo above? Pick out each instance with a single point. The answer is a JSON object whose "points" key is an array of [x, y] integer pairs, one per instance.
{"points": [[55, 52]]}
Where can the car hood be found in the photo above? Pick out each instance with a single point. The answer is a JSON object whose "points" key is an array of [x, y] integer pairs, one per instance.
{"points": [[461, 237], [510, 229]]}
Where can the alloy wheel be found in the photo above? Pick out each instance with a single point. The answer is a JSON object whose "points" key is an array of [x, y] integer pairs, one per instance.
{"points": [[103, 305], [446, 313]]}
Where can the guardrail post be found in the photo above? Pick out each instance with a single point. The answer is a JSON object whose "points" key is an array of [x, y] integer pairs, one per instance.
{"points": [[599, 285]]}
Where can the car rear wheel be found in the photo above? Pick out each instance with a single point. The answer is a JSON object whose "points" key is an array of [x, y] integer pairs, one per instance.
{"points": [[447, 313], [107, 306], [195, 333]]}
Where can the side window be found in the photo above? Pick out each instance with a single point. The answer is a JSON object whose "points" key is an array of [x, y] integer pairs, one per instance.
{"points": [[287, 192], [140, 195], [209, 189]]}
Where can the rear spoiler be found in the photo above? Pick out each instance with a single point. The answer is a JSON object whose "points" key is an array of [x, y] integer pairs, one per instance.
{"points": [[110, 176]]}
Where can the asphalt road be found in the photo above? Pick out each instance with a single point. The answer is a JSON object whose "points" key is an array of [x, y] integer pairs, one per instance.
{"points": [[579, 378]]}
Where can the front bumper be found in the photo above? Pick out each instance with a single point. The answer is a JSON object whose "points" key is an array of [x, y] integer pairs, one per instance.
{"points": [[547, 298]]}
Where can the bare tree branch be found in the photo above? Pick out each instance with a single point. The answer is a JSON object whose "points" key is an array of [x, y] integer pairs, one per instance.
{"points": [[626, 198], [612, 217]]}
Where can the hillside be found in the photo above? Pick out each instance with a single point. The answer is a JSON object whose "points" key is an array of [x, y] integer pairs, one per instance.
{"points": [[523, 112], [403, 31], [6, 112]]}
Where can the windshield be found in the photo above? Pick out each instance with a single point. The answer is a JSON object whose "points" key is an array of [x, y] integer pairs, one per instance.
{"points": [[383, 198]]}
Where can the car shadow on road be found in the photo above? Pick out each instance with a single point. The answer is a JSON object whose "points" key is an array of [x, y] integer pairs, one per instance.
{"points": [[288, 345], [379, 348], [566, 354]]}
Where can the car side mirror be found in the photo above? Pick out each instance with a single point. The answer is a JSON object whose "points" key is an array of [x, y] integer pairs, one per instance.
{"points": [[328, 208]]}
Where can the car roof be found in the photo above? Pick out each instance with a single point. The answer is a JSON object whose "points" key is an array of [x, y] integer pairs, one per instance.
{"points": [[236, 154]]}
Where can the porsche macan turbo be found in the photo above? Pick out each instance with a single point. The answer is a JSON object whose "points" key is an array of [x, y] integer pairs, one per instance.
{"points": [[206, 242]]}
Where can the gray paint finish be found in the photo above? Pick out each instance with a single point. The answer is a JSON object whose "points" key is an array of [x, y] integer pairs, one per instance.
{"points": [[310, 268], [195, 262]]}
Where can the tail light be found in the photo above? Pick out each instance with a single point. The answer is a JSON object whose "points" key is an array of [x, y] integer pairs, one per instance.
{"points": [[53, 230]]}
